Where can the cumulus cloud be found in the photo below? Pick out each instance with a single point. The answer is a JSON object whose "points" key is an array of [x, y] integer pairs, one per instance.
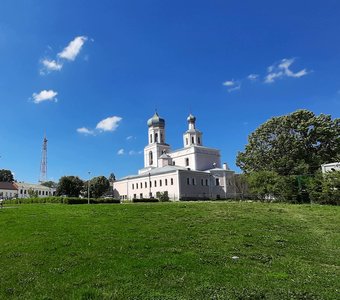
{"points": [[282, 69], [253, 77], [232, 85], [44, 95], [121, 152], [50, 65], [86, 131], [73, 48], [109, 124]]}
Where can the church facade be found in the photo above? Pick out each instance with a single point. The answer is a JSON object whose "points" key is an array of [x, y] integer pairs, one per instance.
{"points": [[192, 172]]}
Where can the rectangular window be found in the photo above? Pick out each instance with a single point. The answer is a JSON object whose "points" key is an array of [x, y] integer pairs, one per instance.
{"points": [[217, 181], [193, 181], [146, 184], [133, 186], [206, 182], [141, 195], [188, 181], [150, 183], [134, 196], [172, 181], [202, 181], [136, 186], [166, 181], [155, 183], [160, 182]]}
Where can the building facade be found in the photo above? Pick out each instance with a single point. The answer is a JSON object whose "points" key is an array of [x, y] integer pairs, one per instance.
{"points": [[8, 190], [192, 172], [25, 190]]}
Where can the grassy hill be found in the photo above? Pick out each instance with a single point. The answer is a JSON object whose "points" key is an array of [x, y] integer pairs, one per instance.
{"points": [[170, 251]]}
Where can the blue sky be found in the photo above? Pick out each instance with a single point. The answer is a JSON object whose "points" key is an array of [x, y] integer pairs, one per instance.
{"points": [[90, 74]]}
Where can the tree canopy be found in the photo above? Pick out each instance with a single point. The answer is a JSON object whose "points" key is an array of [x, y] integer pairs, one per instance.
{"points": [[297, 143], [6, 176], [70, 186], [98, 186]]}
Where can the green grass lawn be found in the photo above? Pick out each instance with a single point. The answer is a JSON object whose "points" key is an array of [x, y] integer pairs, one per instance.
{"points": [[170, 251]]}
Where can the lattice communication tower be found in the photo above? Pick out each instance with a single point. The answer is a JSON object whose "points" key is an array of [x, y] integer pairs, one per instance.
{"points": [[43, 164]]}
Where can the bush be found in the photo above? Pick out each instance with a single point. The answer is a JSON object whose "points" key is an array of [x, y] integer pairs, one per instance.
{"points": [[143, 200], [64, 200], [163, 197]]}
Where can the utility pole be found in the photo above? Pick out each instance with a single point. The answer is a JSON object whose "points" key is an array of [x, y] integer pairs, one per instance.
{"points": [[88, 189], [43, 164]]}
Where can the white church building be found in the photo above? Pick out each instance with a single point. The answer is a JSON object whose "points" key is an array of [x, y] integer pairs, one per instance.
{"points": [[192, 172]]}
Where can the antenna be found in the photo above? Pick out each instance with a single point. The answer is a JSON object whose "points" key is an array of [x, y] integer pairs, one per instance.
{"points": [[43, 164]]}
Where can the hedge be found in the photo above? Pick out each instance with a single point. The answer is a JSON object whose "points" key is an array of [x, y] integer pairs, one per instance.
{"points": [[63, 200], [143, 200]]}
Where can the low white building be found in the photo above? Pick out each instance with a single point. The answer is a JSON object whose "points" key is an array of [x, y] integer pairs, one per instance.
{"points": [[8, 190], [25, 189], [193, 172], [330, 167]]}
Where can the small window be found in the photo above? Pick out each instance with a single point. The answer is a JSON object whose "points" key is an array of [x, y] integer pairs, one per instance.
{"points": [[133, 186], [160, 182], [193, 181], [136, 186], [217, 181], [202, 181], [150, 183], [173, 162], [199, 140], [187, 162], [192, 140], [186, 141], [206, 182], [156, 137], [155, 183], [161, 138], [172, 181], [39, 192], [166, 181], [188, 181], [134, 196], [145, 184], [150, 158], [150, 138], [141, 195]]}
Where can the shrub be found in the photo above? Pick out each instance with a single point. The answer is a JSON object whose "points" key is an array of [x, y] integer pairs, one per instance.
{"points": [[145, 200]]}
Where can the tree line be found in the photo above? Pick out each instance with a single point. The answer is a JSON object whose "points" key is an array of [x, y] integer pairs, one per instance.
{"points": [[283, 157]]}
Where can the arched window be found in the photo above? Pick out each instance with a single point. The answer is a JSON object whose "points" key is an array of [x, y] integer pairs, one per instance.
{"points": [[162, 138], [150, 158], [192, 140], [199, 141], [186, 141], [187, 162], [150, 138], [156, 137]]}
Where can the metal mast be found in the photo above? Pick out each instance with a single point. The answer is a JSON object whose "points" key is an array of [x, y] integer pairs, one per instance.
{"points": [[43, 164]]}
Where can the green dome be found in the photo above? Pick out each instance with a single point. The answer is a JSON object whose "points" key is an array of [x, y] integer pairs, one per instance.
{"points": [[156, 121]]}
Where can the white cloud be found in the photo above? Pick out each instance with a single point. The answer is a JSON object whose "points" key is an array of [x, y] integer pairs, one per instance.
{"points": [[232, 85], [50, 65], [44, 95], [133, 152], [109, 124], [85, 131], [121, 152], [130, 137], [229, 83], [253, 77], [282, 69], [72, 50]]}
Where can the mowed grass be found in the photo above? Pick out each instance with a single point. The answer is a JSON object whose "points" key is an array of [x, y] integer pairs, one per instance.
{"points": [[170, 251]]}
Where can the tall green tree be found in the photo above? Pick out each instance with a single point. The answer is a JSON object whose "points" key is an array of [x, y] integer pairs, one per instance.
{"points": [[70, 186], [297, 143], [6, 176], [98, 186]]}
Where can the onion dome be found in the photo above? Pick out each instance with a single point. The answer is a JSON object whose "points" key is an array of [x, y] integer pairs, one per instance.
{"points": [[156, 121], [191, 119]]}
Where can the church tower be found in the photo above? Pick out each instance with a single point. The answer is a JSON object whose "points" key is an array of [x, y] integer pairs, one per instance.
{"points": [[192, 137], [156, 146]]}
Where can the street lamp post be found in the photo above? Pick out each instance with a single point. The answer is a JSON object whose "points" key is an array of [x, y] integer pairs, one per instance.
{"points": [[88, 189]]}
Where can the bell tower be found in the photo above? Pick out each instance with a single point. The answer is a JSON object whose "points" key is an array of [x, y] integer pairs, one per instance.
{"points": [[156, 142], [192, 137]]}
